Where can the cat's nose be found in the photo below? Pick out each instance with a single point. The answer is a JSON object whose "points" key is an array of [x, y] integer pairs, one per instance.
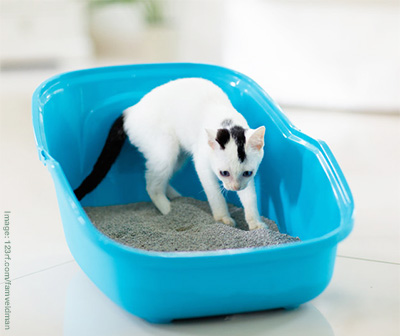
{"points": [[235, 186]]}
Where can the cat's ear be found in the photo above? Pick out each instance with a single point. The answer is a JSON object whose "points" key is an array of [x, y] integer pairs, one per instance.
{"points": [[211, 137], [256, 140]]}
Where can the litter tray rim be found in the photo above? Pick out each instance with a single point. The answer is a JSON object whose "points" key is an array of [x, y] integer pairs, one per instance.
{"points": [[343, 193]]}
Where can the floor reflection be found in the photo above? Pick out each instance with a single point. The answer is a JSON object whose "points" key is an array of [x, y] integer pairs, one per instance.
{"points": [[89, 312]]}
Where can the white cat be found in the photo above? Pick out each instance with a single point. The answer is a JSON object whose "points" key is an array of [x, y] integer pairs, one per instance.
{"points": [[190, 116]]}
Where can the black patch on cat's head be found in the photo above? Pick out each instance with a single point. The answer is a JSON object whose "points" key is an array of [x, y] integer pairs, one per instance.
{"points": [[227, 123], [240, 140], [223, 137]]}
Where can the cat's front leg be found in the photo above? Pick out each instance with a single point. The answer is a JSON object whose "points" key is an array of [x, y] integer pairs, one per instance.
{"points": [[248, 198], [211, 187]]}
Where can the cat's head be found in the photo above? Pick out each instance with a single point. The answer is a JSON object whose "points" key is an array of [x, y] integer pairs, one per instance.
{"points": [[236, 154]]}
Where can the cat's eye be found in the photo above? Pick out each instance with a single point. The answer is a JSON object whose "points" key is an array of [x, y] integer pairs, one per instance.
{"points": [[224, 173], [247, 173]]}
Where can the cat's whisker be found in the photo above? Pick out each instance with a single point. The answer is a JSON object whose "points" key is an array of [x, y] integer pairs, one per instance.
{"points": [[224, 191]]}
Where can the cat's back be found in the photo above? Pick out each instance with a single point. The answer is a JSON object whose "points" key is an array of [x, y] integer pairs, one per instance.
{"points": [[189, 84], [184, 100], [181, 108], [186, 92]]}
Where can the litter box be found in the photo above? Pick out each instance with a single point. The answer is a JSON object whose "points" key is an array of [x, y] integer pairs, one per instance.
{"points": [[300, 186]]}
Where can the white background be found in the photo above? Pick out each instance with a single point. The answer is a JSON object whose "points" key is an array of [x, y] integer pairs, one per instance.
{"points": [[333, 65]]}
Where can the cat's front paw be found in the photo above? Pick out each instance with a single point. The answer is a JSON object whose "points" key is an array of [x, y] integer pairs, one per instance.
{"points": [[255, 224], [228, 220]]}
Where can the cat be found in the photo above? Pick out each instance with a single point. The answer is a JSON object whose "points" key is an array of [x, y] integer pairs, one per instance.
{"points": [[182, 118]]}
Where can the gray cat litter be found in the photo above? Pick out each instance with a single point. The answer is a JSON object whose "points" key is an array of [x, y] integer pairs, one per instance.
{"points": [[188, 227]]}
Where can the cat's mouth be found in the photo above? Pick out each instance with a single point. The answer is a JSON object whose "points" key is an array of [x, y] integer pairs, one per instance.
{"points": [[233, 188]]}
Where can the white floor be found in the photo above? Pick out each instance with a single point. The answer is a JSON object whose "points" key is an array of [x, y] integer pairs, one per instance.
{"points": [[50, 295]]}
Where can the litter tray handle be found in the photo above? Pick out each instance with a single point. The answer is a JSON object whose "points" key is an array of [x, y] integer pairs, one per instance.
{"points": [[43, 156], [60, 182]]}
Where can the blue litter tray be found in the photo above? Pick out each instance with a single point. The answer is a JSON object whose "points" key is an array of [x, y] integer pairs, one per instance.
{"points": [[300, 186]]}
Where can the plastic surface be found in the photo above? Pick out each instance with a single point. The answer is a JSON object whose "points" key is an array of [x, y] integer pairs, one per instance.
{"points": [[299, 183]]}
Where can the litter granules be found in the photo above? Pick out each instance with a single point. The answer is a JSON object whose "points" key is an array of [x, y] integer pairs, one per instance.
{"points": [[188, 227]]}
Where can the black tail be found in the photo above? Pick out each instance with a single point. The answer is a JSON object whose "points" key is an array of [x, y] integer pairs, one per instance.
{"points": [[112, 148]]}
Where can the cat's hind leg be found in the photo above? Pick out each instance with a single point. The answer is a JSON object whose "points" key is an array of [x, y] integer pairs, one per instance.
{"points": [[156, 186], [172, 193], [160, 166]]}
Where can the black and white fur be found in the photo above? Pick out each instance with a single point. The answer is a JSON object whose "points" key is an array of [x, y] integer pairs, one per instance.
{"points": [[195, 117]]}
